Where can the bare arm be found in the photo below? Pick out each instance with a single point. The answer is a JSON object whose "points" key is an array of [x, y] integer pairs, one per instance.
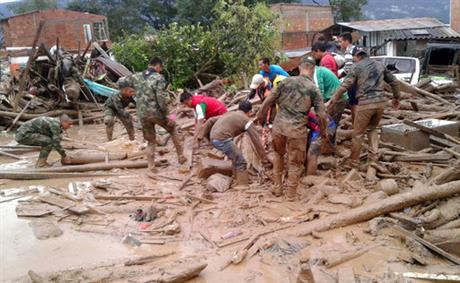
{"points": [[268, 103], [318, 104], [206, 128]]}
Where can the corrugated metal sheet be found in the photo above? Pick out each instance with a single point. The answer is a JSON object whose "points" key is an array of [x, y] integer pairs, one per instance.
{"points": [[394, 24], [114, 67], [428, 33]]}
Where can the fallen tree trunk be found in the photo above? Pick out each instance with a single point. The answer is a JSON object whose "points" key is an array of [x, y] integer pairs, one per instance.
{"points": [[93, 156], [26, 116], [31, 175], [394, 203], [99, 166]]}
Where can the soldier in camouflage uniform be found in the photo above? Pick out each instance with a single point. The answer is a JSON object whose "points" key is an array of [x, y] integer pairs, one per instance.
{"points": [[44, 132], [153, 102], [294, 96], [369, 77], [115, 106]]}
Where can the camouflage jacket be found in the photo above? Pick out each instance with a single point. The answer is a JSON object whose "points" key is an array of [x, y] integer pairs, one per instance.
{"points": [[47, 126], [152, 97], [118, 103], [369, 75], [294, 96]]}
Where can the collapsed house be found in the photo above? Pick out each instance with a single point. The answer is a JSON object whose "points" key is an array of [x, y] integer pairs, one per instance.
{"points": [[55, 60]]}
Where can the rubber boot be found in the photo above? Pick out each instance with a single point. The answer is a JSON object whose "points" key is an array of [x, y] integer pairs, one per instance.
{"points": [[293, 181], [41, 162], [278, 170], [179, 148], [131, 134], [371, 174], [42, 157], [109, 132], [151, 158]]}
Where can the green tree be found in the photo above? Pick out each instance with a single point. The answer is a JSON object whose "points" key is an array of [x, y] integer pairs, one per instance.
{"points": [[348, 10], [190, 11], [33, 5], [229, 47]]}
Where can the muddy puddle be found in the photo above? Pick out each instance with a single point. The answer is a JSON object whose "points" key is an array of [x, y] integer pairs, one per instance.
{"points": [[20, 251]]}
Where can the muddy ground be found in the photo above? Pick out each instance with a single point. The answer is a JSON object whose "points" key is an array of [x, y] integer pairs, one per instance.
{"points": [[93, 247]]}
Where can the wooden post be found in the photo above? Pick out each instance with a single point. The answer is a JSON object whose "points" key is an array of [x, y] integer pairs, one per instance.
{"points": [[19, 116], [25, 73]]}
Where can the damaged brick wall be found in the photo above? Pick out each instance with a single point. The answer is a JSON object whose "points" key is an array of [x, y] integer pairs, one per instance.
{"points": [[455, 15], [19, 31], [300, 22]]}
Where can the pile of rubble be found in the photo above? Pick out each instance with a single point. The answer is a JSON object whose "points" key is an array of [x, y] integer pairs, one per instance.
{"points": [[54, 82]]}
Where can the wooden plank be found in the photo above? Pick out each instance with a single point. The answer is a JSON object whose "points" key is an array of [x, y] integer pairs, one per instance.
{"points": [[429, 245], [64, 203], [424, 157], [139, 198]]}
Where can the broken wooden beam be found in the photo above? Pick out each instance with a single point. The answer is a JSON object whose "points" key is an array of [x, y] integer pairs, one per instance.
{"points": [[424, 93], [424, 157], [428, 245], [139, 198], [10, 155], [64, 203]]}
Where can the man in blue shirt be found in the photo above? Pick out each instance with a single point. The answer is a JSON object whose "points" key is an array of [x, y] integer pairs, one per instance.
{"points": [[270, 71]]}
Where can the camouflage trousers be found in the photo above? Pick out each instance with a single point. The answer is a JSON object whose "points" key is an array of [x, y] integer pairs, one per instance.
{"points": [[109, 120], [367, 120], [296, 150], [36, 140], [148, 130]]}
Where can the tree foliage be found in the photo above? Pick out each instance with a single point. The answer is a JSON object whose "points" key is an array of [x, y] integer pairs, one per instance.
{"points": [[189, 11], [348, 10], [33, 5], [230, 46]]}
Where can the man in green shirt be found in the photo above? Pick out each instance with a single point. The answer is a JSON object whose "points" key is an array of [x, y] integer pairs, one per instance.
{"points": [[327, 83]]}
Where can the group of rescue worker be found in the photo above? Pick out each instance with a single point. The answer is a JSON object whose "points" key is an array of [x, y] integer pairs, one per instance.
{"points": [[300, 113]]}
